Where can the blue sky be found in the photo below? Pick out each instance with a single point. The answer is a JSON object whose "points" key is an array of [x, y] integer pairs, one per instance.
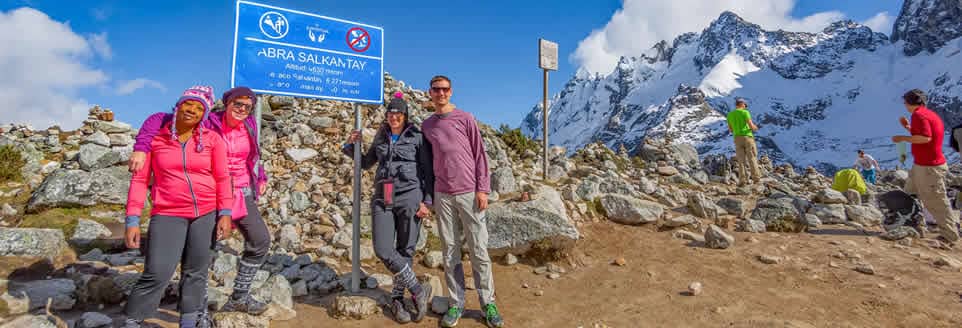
{"points": [[142, 54]]}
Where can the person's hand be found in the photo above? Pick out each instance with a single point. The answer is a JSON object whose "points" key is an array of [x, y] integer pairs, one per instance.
{"points": [[482, 200], [224, 227], [354, 137], [262, 189], [136, 161], [132, 237], [423, 211], [904, 121]]}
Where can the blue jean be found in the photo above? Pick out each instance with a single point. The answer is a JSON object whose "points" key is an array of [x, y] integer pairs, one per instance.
{"points": [[869, 175]]}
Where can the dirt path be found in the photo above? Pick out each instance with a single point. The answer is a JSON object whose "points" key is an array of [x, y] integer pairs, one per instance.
{"points": [[813, 285], [803, 290]]}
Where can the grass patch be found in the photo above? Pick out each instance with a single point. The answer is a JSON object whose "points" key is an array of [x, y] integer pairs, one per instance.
{"points": [[596, 208], [65, 219], [11, 162]]}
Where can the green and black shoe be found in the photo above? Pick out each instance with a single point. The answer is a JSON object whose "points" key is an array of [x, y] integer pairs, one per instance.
{"points": [[492, 317], [451, 317]]}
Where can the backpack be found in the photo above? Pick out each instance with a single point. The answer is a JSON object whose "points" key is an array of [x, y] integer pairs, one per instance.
{"points": [[953, 142]]}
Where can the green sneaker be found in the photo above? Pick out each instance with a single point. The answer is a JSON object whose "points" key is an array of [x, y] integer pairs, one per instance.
{"points": [[492, 316], [451, 317]]}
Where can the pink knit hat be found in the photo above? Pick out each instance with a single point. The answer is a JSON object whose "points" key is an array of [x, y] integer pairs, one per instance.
{"points": [[200, 93]]}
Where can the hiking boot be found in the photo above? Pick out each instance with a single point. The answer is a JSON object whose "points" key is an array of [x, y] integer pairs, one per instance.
{"points": [[450, 318], [422, 302], [492, 317], [246, 304], [401, 314]]}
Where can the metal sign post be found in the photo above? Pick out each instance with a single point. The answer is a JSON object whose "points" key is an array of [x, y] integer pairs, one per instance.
{"points": [[356, 211], [294, 53], [548, 61]]}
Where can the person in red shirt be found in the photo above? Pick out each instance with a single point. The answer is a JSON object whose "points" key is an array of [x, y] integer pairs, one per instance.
{"points": [[927, 176]]}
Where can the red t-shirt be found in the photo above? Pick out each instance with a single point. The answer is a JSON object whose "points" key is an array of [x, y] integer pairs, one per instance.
{"points": [[927, 123]]}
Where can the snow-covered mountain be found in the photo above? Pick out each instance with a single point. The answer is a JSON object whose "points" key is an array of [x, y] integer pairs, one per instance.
{"points": [[818, 97]]}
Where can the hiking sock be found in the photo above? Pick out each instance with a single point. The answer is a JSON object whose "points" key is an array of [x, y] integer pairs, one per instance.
{"points": [[409, 280], [245, 277]]}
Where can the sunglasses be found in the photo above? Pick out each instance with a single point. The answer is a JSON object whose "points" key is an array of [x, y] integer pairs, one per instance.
{"points": [[241, 107], [440, 89]]}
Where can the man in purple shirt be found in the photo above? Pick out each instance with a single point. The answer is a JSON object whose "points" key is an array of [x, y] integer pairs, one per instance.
{"points": [[461, 190]]}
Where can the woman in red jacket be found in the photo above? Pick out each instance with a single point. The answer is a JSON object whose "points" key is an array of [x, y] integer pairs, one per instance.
{"points": [[190, 187]]}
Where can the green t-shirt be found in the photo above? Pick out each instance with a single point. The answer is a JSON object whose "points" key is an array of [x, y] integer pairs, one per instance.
{"points": [[738, 120]]}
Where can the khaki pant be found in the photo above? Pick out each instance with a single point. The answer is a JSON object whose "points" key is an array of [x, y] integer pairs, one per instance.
{"points": [[746, 154], [457, 215], [928, 182]]}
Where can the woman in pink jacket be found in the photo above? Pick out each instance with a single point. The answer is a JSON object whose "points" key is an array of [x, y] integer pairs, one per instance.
{"points": [[239, 131], [190, 187]]}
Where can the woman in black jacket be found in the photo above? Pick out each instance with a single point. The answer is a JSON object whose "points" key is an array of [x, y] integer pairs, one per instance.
{"points": [[404, 187]]}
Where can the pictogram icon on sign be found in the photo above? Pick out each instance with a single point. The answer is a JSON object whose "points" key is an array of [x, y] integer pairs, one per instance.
{"points": [[358, 39], [274, 25]]}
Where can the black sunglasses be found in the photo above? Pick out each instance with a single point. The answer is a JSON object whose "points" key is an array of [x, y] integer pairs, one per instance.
{"points": [[440, 89]]}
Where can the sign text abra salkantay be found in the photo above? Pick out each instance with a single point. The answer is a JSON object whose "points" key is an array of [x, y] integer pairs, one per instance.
{"points": [[289, 52]]}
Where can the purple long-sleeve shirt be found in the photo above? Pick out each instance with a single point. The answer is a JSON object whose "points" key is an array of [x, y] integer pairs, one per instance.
{"points": [[460, 163]]}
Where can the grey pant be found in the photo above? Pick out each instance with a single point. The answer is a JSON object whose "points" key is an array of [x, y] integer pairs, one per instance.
{"points": [[457, 215], [257, 239], [396, 231], [172, 240]]}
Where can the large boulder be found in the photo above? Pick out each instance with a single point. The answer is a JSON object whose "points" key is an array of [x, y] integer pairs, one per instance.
{"points": [[515, 227], [830, 196], [29, 242], [684, 153], [701, 206], [829, 214], [87, 231], [779, 214], [627, 210], [95, 157], [864, 215], [502, 181], [72, 188]]}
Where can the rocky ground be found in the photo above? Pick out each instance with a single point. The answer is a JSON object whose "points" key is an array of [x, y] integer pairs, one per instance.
{"points": [[608, 240]]}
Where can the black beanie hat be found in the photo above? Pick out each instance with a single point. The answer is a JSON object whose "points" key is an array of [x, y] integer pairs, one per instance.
{"points": [[398, 105]]}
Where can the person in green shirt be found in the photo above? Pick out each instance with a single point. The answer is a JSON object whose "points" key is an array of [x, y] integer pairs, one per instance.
{"points": [[746, 153]]}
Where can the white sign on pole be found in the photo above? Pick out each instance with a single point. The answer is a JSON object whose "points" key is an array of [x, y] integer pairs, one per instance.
{"points": [[548, 55]]}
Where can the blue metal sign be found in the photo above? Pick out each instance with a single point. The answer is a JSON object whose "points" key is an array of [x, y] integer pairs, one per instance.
{"points": [[289, 52]]}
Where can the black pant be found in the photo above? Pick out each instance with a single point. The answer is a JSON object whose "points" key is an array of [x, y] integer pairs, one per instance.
{"points": [[172, 240], [396, 231], [257, 239]]}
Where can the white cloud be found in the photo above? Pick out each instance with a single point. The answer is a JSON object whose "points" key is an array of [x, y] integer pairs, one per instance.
{"points": [[99, 43], [43, 65], [640, 24], [881, 22], [127, 87]]}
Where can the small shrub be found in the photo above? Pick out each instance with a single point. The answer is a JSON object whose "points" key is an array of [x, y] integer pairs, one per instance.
{"points": [[11, 162], [517, 141]]}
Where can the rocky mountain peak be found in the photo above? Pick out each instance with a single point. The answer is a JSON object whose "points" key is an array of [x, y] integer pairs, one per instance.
{"points": [[927, 25]]}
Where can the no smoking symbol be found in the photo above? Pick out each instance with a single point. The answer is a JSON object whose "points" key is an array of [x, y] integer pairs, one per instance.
{"points": [[358, 39]]}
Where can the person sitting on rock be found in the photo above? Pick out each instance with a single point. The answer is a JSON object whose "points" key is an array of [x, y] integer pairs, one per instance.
{"points": [[239, 131], [404, 188], [191, 186]]}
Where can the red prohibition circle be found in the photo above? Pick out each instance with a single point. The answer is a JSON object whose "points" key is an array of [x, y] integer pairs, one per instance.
{"points": [[352, 43]]}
